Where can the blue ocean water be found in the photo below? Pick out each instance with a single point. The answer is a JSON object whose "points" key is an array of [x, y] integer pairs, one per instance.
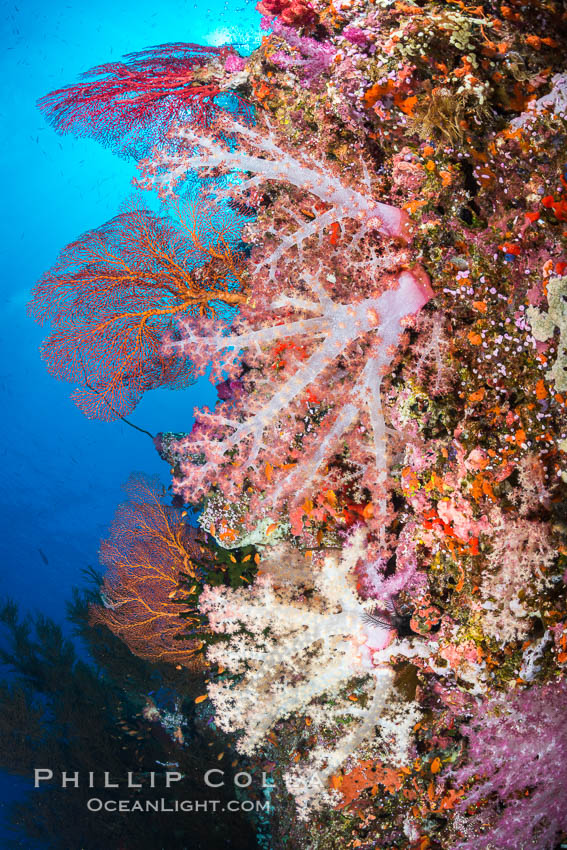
{"points": [[61, 474]]}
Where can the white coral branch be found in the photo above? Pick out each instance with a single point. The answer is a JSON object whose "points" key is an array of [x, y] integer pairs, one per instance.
{"points": [[332, 332], [268, 161], [289, 654]]}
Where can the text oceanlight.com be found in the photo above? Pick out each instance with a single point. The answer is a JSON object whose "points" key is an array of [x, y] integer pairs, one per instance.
{"points": [[95, 804], [103, 780]]}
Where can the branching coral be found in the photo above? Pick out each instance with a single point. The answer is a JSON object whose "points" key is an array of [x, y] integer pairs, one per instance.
{"points": [[326, 348], [288, 654], [260, 154], [307, 57], [521, 555], [260, 431], [518, 749]]}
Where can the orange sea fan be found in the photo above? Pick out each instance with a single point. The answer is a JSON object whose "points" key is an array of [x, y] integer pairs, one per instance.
{"points": [[116, 291], [149, 550]]}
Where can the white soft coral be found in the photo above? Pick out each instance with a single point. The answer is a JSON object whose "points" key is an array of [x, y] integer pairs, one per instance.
{"points": [[289, 654]]}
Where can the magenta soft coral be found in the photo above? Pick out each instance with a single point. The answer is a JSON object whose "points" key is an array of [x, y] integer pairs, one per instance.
{"points": [[517, 745]]}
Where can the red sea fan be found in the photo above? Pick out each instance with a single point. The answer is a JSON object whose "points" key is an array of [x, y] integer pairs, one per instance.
{"points": [[119, 102]]}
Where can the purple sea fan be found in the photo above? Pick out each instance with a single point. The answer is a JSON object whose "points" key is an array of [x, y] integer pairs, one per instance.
{"points": [[518, 758]]}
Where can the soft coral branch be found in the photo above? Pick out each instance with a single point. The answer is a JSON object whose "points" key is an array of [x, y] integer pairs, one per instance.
{"points": [[260, 155], [246, 437], [291, 653]]}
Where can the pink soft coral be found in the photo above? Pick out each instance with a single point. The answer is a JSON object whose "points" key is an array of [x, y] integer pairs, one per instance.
{"points": [[518, 746]]}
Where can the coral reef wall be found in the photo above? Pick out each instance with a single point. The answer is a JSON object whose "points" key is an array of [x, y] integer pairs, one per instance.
{"points": [[364, 245]]}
